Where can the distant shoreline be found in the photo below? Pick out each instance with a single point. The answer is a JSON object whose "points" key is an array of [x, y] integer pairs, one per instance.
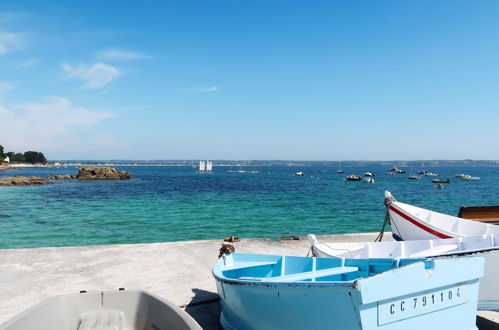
{"points": [[260, 163]]}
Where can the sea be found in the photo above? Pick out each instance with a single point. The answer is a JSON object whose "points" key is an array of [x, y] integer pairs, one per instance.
{"points": [[176, 203]]}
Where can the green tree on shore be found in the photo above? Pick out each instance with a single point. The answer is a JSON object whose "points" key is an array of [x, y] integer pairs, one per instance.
{"points": [[2, 156], [34, 157]]}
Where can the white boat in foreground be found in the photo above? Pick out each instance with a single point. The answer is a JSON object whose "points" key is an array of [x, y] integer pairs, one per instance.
{"points": [[410, 222], [486, 246], [108, 310]]}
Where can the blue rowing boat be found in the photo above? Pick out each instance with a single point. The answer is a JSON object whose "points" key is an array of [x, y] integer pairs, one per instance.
{"points": [[283, 292]]}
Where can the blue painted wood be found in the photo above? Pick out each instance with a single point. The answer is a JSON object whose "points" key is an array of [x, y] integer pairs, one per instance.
{"points": [[281, 292]]}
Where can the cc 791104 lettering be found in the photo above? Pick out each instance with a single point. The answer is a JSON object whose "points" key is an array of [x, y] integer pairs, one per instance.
{"points": [[395, 310]]}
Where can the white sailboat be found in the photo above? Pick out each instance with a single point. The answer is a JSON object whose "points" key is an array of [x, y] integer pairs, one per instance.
{"points": [[202, 166], [205, 166]]}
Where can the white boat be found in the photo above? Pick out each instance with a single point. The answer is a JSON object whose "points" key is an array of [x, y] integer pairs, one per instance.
{"points": [[353, 177], [202, 166], [368, 180], [415, 177], [107, 310], [430, 174], [205, 166], [470, 178], [300, 173], [461, 175], [340, 171], [410, 222], [369, 174], [485, 245]]}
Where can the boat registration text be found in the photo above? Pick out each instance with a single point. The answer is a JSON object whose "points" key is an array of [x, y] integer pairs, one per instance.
{"points": [[396, 310]]}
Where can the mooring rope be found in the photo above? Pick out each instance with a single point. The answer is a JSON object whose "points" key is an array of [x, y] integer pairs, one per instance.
{"points": [[388, 201]]}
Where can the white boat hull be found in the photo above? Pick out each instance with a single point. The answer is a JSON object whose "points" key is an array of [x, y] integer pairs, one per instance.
{"points": [[485, 246], [409, 222]]}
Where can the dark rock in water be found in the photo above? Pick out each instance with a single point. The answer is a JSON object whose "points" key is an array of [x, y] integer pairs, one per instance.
{"points": [[101, 173], [23, 181], [61, 177]]}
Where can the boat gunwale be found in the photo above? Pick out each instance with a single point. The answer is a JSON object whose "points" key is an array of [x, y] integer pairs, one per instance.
{"points": [[445, 254], [354, 284]]}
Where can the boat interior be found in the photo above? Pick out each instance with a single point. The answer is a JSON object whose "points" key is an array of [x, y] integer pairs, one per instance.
{"points": [[412, 249], [269, 268]]}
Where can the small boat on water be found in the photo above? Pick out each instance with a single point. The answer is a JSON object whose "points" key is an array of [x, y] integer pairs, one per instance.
{"points": [[470, 178], [340, 171], [440, 180], [368, 180], [410, 222], [282, 292], [460, 175], [486, 246], [369, 174], [353, 177], [414, 177], [300, 173], [430, 174], [107, 310]]}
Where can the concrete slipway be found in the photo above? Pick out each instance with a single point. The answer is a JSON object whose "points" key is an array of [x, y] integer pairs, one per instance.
{"points": [[177, 271]]}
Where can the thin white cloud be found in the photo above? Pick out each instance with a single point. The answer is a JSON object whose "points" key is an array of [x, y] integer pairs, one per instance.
{"points": [[10, 42], [6, 86], [114, 54], [206, 89], [94, 76], [28, 63], [6, 17], [53, 125]]}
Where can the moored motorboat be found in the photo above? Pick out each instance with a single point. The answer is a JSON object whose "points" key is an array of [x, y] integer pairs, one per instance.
{"points": [[369, 174], [127, 310], [415, 177], [368, 180], [440, 180], [486, 246], [460, 175], [470, 178], [430, 174], [281, 292], [409, 222], [300, 173], [353, 177]]}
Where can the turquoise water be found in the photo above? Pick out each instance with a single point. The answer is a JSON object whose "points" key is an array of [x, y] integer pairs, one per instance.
{"points": [[177, 203]]}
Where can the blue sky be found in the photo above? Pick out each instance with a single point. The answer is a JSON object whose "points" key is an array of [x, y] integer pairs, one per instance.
{"points": [[303, 80]]}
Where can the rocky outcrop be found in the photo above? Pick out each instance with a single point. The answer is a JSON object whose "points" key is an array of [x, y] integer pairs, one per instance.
{"points": [[6, 166], [23, 181], [101, 173], [61, 177]]}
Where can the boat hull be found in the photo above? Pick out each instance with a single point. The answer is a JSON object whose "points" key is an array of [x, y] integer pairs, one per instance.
{"points": [[488, 298], [131, 310], [387, 300]]}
